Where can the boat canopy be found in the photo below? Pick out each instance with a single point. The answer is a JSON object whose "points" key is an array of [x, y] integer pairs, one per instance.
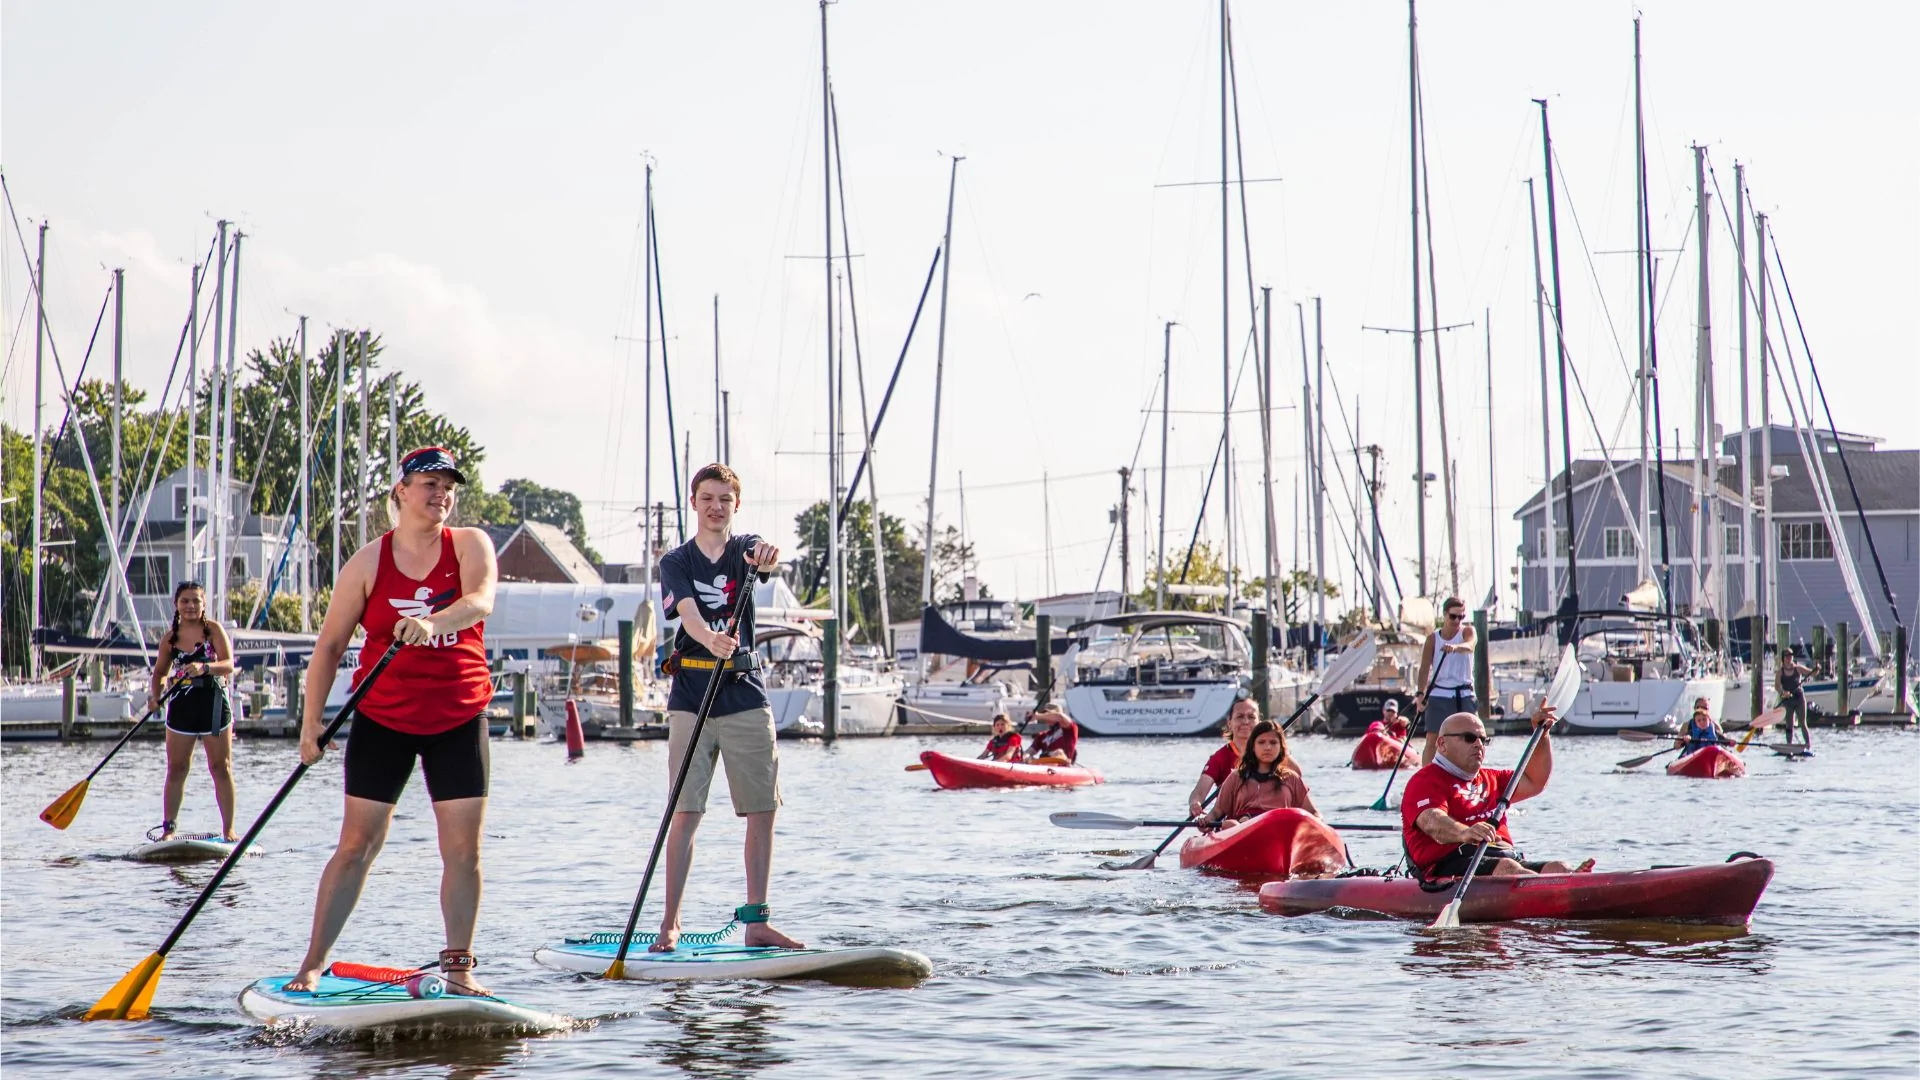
{"points": [[938, 637]]}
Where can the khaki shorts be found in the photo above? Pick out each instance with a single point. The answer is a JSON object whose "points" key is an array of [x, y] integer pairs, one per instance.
{"points": [[745, 741]]}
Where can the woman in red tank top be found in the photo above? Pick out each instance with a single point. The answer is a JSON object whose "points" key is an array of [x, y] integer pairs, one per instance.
{"points": [[428, 586]]}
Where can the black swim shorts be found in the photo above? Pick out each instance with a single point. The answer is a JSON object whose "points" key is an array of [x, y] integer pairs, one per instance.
{"points": [[380, 761]]}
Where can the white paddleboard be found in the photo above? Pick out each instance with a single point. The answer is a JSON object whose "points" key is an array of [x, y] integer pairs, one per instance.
{"points": [[358, 1005], [867, 966], [183, 849]]}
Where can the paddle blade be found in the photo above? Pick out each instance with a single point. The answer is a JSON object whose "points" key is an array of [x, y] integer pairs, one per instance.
{"points": [[60, 812], [1769, 718], [1565, 686], [1634, 763], [1087, 819], [1639, 736], [1144, 862], [130, 997], [916, 767], [617, 971], [1448, 919]]}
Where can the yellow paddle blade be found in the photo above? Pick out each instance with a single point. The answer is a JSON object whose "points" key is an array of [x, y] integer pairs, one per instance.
{"points": [[916, 767], [617, 971], [61, 811], [129, 998]]}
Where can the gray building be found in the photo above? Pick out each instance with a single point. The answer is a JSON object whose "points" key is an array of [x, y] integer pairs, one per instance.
{"points": [[1812, 589], [157, 557]]}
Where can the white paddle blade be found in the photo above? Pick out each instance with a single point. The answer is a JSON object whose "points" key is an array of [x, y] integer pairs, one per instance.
{"points": [[1566, 683], [1087, 819], [1448, 919], [1770, 717], [1354, 661]]}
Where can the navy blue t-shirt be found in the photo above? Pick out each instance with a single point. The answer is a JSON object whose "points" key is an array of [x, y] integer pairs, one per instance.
{"points": [[687, 572]]}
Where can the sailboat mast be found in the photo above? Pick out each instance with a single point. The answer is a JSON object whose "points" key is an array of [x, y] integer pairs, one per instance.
{"points": [[830, 683], [1768, 546], [1166, 417], [1493, 460], [646, 423], [719, 439], [1746, 446], [1644, 557], [1546, 416], [1226, 348], [1272, 567], [227, 523], [217, 435], [1572, 604], [939, 374], [306, 521], [1319, 486], [192, 400], [1706, 455], [1419, 374], [119, 342], [39, 449], [339, 450]]}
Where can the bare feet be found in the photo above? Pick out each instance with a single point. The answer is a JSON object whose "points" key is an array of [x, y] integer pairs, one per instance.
{"points": [[305, 981], [462, 983], [667, 940], [762, 935], [228, 837]]}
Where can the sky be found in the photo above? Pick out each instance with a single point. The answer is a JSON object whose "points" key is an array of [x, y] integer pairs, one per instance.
{"points": [[467, 179]]}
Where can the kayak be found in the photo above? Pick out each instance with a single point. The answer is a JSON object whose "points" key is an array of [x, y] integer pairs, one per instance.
{"points": [[357, 997], [866, 966], [1709, 763], [954, 772], [1716, 893], [1377, 750], [184, 849], [1277, 843]]}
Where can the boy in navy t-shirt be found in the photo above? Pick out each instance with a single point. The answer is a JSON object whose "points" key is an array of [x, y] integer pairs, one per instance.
{"points": [[700, 582]]}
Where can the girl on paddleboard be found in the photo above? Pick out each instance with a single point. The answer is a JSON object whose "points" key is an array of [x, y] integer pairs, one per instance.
{"points": [[195, 647], [428, 586], [1263, 781]]}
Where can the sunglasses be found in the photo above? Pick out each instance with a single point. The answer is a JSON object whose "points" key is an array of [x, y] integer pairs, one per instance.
{"points": [[1471, 738], [1456, 614]]}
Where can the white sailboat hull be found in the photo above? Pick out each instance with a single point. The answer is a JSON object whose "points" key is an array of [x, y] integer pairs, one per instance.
{"points": [[1166, 709]]}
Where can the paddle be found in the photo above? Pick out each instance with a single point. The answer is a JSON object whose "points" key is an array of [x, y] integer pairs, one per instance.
{"points": [[1086, 819], [1634, 763], [1381, 802], [618, 969], [129, 998], [61, 811], [1145, 862], [1560, 694]]}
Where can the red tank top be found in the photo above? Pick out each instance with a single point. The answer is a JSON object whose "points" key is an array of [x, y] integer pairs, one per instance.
{"points": [[439, 684]]}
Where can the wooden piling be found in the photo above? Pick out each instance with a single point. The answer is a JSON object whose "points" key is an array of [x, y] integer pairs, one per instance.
{"points": [[1262, 681]]}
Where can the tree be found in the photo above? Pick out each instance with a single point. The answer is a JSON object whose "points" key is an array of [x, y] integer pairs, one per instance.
{"points": [[903, 565]]}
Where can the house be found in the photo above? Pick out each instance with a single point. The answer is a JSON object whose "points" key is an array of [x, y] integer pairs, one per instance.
{"points": [[1811, 587], [157, 558], [539, 552]]}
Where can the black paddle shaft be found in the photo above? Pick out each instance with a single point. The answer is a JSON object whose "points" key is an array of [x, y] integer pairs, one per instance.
{"points": [[720, 671], [1394, 773], [300, 770], [152, 711], [1298, 711]]}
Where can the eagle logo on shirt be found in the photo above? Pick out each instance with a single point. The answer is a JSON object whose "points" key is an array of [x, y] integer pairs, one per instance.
{"points": [[717, 595], [422, 603]]}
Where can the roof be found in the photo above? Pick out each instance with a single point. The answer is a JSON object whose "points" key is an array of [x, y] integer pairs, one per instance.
{"points": [[1589, 471], [561, 550], [1886, 479]]}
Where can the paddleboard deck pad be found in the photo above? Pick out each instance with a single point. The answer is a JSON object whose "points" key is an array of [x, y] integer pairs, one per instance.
{"points": [[352, 1004], [864, 966], [184, 849]]}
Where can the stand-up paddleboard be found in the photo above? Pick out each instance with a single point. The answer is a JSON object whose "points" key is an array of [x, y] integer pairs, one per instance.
{"points": [[413, 1003], [865, 966], [184, 849]]}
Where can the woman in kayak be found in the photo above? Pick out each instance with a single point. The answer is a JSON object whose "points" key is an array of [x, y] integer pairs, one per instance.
{"points": [[1263, 781], [1240, 720], [1005, 744], [195, 647], [1059, 739], [1701, 732]]}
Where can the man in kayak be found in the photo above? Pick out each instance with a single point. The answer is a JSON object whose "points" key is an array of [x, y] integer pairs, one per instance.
{"points": [[1059, 739], [1005, 744], [1391, 723], [1445, 814], [1262, 781], [1240, 720], [698, 583], [430, 587], [1702, 731], [1446, 668]]}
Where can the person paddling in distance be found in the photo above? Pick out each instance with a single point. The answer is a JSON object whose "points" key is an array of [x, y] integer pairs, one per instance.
{"points": [[1444, 814], [698, 583], [1391, 723], [1240, 721], [1702, 730], [1005, 744], [1058, 743], [1451, 646], [1793, 695], [1263, 780], [195, 647], [428, 586]]}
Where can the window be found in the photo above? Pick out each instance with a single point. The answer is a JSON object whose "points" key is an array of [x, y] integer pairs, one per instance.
{"points": [[148, 575], [237, 572], [1805, 540], [179, 502], [1560, 543], [1619, 544], [1733, 540]]}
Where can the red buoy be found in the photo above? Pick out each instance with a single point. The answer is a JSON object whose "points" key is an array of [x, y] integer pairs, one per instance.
{"points": [[576, 739]]}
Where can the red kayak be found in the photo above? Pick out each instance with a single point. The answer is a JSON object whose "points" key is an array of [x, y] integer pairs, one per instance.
{"points": [[1275, 844], [1377, 750], [1717, 893], [954, 772], [1709, 763]]}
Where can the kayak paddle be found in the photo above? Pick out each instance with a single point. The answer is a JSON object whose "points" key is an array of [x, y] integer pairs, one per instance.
{"points": [[1087, 819], [1634, 763], [1560, 694], [61, 811], [917, 766], [129, 998], [1145, 862], [618, 969]]}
